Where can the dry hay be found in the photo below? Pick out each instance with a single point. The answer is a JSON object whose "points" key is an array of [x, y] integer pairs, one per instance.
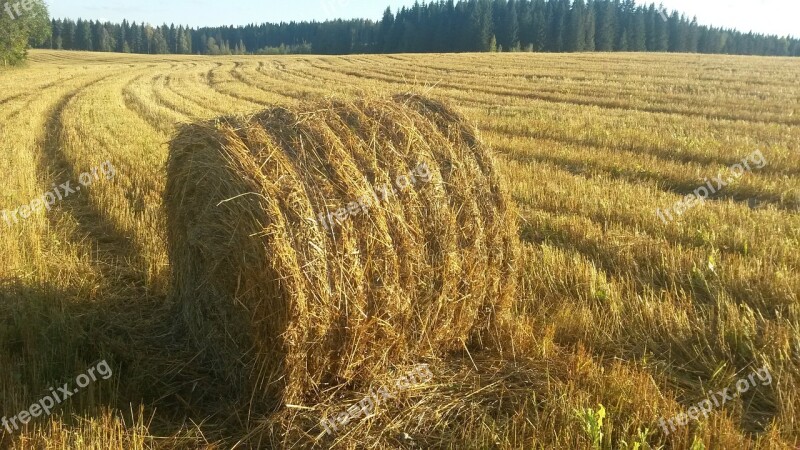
{"points": [[282, 307]]}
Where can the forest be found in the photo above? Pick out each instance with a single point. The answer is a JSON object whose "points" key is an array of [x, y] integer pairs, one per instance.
{"points": [[441, 26]]}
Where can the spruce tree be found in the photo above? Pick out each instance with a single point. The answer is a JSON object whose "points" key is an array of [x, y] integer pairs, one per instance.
{"points": [[661, 34], [605, 32], [539, 27], [481, 27], [677, 33], [637, 40], [575, 30], [622, 45], [83, 35], [384, 32], [589, 27], [512, 27], [692, 37]]}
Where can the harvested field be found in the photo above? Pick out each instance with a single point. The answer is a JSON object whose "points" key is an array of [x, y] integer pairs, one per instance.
{"points": [[614, 306]]}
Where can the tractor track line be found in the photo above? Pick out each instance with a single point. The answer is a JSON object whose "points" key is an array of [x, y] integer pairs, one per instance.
{"points": [[113, 249]]}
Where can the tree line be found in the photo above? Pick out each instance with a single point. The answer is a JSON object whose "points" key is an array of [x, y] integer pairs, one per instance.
{"points": [[440, 26]]}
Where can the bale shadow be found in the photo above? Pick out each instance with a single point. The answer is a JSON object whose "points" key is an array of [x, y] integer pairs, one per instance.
{"points": [[48, 336]]}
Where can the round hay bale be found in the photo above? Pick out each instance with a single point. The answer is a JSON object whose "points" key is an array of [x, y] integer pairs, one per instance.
{"points": [[313, 246]]}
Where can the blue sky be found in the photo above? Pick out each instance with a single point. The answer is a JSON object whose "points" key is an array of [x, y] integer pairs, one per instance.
{"points": [[762, 16]]}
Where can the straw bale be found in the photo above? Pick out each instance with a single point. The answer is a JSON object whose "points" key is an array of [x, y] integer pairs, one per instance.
{"points": [[283, 303]]}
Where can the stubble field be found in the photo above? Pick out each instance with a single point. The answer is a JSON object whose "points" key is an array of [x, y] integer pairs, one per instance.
{"points": [[616, 307]]}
